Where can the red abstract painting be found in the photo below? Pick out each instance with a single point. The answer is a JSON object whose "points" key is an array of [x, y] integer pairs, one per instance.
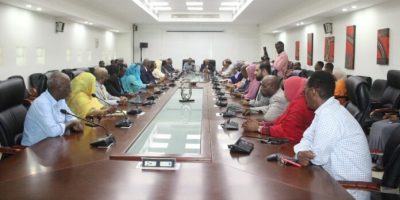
{"points": [[382, 54], [297, 51], [329, 49], [350, 46], [310, 42]]}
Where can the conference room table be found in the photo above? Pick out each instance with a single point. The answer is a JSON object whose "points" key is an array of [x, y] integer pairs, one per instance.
{"points": [[67, 167]]}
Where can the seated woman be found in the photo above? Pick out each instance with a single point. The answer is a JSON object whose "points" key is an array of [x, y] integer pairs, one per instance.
{"points": [[81, 101], [131, 81], [296, 118], [254, 85], [157, 73], [340, 89]]}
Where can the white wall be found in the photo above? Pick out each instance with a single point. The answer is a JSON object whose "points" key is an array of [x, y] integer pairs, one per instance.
{"points": [[237, 42], [367, 22], [32, 30]]}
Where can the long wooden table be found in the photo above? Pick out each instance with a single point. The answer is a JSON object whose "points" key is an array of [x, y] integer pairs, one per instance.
{"points": [[67, 168]]}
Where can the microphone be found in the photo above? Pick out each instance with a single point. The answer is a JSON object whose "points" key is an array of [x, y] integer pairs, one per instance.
{"points": [[136, 101], [101, 142], [125, 123], [228, 113]]}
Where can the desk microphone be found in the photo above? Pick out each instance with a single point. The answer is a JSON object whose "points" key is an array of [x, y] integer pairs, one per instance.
{"points": [[125, 123], [101, 142]]}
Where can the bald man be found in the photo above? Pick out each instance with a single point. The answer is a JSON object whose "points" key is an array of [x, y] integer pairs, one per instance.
{"points": [[44, 118], [270, 87], [102, 75]]}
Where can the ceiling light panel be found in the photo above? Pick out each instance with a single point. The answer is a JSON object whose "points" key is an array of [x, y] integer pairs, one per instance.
{"points": [[194, 3], [195, 8]]}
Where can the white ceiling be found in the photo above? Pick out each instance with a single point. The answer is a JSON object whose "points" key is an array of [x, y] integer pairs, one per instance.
{"points": [[119, 14]]}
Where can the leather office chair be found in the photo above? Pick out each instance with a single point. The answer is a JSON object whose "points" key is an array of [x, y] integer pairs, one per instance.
{"points": [[69, 72], [390, 99], [377, 88], [38, 84], [366, 78], [359, 104], [391, 164], [12, 113]]}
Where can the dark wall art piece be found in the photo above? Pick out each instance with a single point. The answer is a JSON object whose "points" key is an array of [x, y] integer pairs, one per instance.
{"points": [[329, 49], [310, 42], [382, 54], [350, 46], [297, 51]]}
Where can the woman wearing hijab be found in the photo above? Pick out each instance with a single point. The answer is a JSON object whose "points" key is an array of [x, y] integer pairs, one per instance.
{"points": [[157, 73], [254, 85], [296, 118], [131, 81], [81, 101]]}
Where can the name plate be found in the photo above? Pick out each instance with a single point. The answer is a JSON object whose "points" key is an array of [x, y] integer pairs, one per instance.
{"points": [[158, 164]]}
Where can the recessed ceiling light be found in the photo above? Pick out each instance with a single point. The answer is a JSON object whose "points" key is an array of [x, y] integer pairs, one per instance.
{"points": [[86, 22], [90, 23], [301, 23], [162, 8], [275, 31], [194, 3], [195, 8], [354, 7], [227, 8], [28, 6], [297, 24], [39, 9], [228, 3], [162, 3], [344, 10]]}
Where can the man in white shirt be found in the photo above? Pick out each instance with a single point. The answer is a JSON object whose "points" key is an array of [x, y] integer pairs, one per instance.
{"points": [[335, 141], [101, 75], [44, 118], [270, 87]]}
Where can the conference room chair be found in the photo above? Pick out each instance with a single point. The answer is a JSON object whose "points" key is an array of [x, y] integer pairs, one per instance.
{"points": [[212, 62], [12, 112], [69, 73], [359, 104], [390, 99], [38, 84], [377, 88], [391, 175]]}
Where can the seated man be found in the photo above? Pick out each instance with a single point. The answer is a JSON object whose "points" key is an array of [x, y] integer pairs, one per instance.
{"points": [[44, 118], [207, 67], [169, 66], [270, 87], [329, 67], [101, 75], [334, 140], [262, 70], [189, 66], [146, 72], [113, 83], [318, 66], [227, 68]]}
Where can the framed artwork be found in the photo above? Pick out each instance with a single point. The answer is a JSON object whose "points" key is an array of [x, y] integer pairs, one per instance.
{"points": [[350, 46], [329, 49], [310, 42], [297, 51], [382, 53]]}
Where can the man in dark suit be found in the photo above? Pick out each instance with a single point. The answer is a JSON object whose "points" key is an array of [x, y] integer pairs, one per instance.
{"points": [[207, 67], [146, 70]]}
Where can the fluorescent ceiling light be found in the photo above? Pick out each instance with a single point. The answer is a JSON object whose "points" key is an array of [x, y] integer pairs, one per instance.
{"points": [[227, 8], [354, 7], [344, 10], [163, 3], [229, 3], [162, 8], [195, 8], [39, 9], [194, 3], [28, 5]]}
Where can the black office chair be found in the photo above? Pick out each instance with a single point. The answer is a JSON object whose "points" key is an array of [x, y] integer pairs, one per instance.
{"points": [[12, 112], [390, 99], [377, 89], [366, 78], [69, 73], [391, 174], [38, 84], [359, 104], [21, 78]]}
